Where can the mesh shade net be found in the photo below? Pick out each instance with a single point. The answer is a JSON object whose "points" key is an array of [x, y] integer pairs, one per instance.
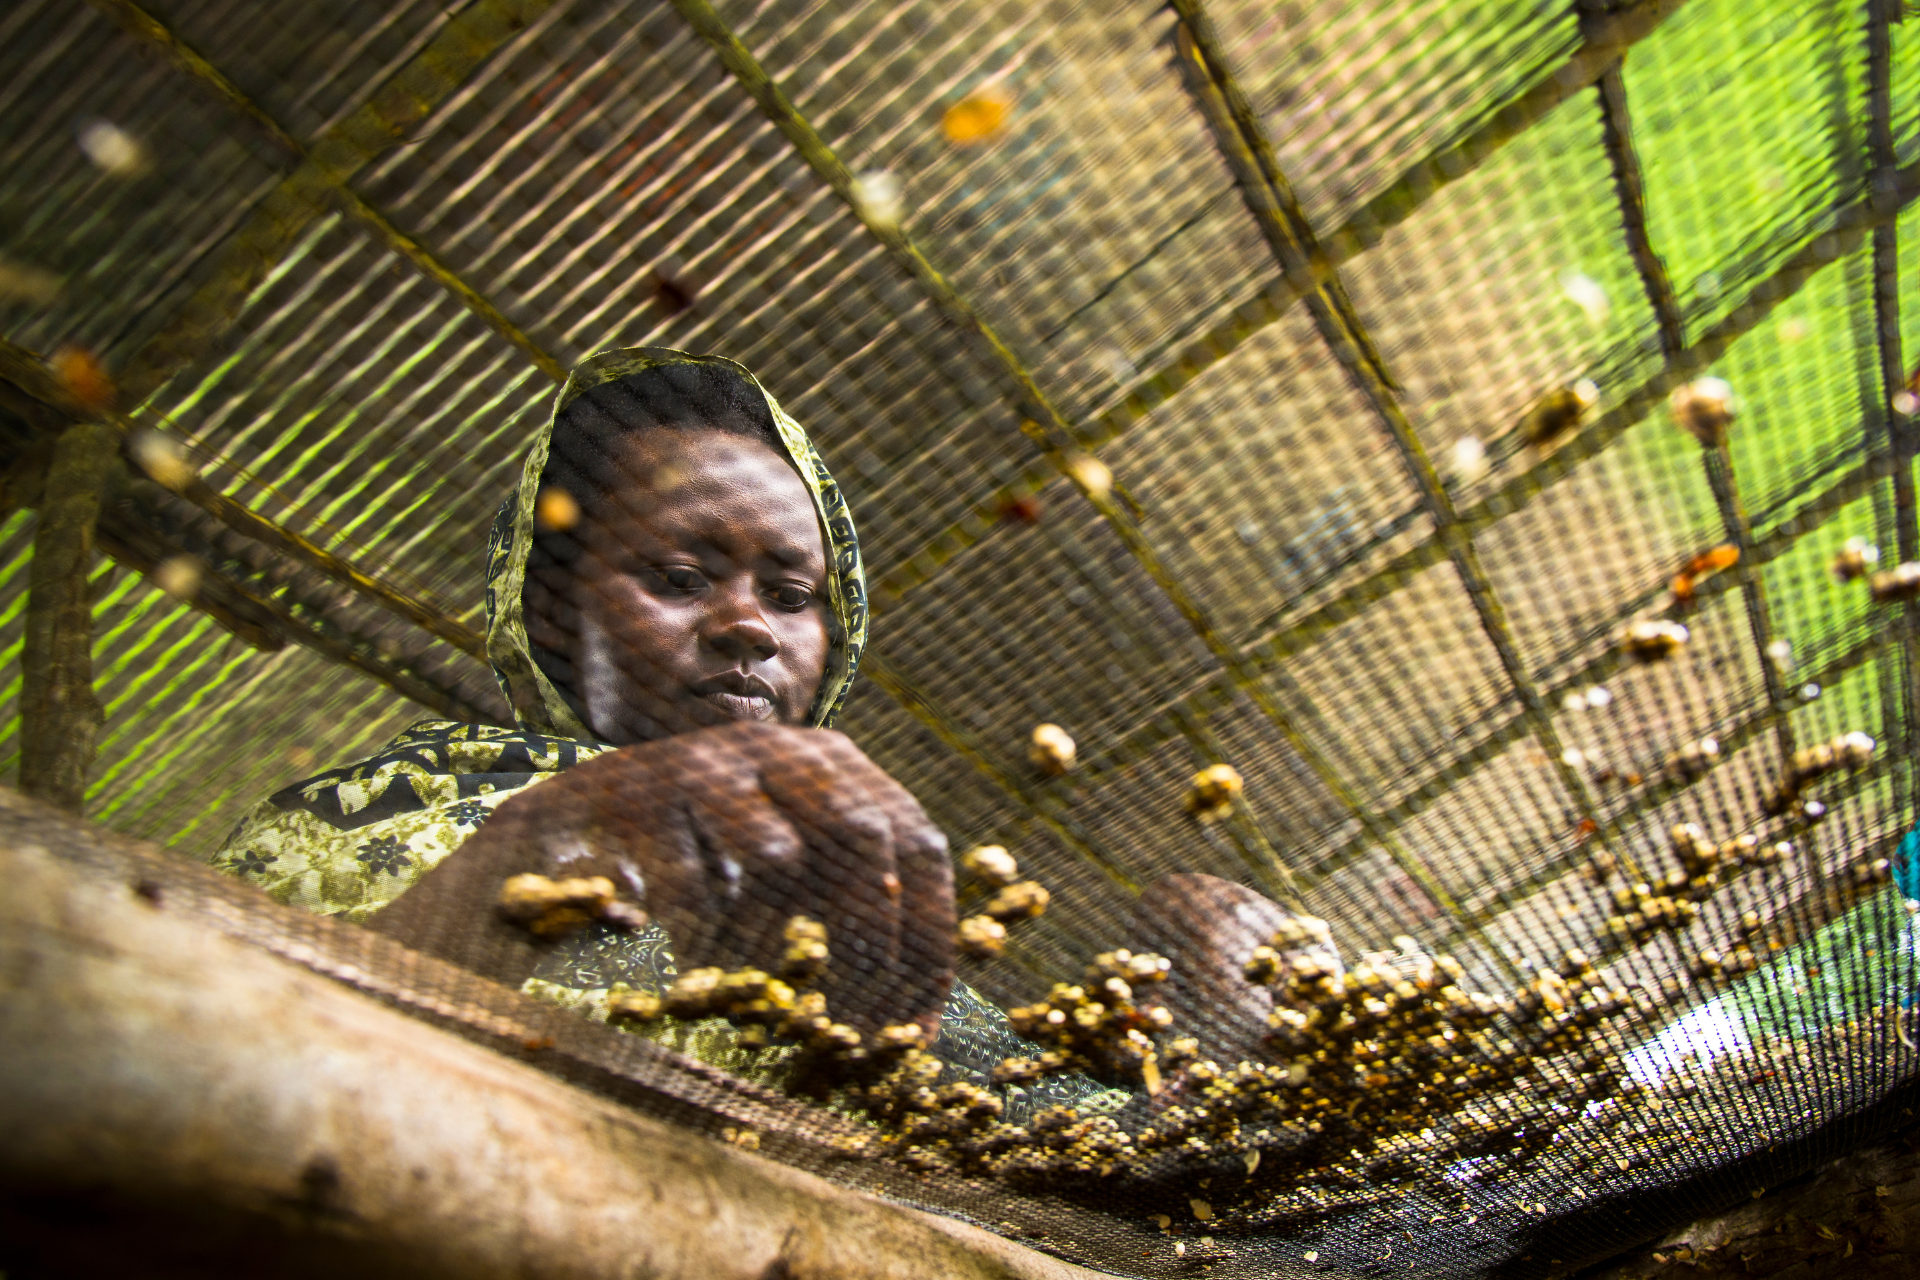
{"points": [[1282, 388]]}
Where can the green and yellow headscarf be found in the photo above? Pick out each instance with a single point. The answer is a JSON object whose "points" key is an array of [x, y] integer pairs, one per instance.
{"points": [[537, 705]]}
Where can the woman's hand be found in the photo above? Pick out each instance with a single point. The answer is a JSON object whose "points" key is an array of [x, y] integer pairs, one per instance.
{"points": [[723, 835], [1208, 927]]}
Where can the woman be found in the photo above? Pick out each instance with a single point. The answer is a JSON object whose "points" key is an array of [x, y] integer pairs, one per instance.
{"points": [[676, 608]]}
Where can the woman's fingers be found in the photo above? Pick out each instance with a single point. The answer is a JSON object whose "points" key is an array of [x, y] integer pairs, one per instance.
{"points": [[924, 964], [827, 790], [753, 871], [845, 812], [634, 819], [723, 836], [926, 918]]}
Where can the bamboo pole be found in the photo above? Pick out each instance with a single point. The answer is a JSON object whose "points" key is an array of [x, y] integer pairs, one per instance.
{"points": [[1616, 129], [1268, 194], [267, 624], [388, 119], [1605, 42], [154, 36], [1897, 425], [59, 715]]}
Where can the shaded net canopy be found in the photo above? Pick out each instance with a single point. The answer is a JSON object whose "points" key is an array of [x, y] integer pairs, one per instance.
{"points": [[1290, 387]]}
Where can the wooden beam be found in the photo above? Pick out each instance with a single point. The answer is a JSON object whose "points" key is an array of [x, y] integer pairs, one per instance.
{"points": [[157, 39], [1616, 131], [1249, 153], [31, 378], [130, 530], [59, 715], [245, 521], [1606, 42], [388, 119], [1900, 426], [268, 624], [341, 650], [1846, 228], [217, 596]]}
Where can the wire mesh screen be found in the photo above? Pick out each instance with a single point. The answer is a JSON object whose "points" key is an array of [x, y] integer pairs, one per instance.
{"points": [[1376, 660]]}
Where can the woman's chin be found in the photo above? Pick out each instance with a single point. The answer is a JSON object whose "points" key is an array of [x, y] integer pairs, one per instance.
{"points": [[623, 727]]}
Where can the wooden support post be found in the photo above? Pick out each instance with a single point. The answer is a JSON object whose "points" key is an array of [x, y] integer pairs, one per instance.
{"points": [[59, 715]]}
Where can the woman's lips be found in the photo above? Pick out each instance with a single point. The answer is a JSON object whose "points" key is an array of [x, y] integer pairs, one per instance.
{"points": [[740, 706], [737, 695]]}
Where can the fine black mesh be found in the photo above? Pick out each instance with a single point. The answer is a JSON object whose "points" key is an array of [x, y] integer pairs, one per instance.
{"points": [[1397, 511]]}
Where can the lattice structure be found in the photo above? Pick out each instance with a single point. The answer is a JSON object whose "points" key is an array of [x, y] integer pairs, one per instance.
{"points": [[1292, 273]]}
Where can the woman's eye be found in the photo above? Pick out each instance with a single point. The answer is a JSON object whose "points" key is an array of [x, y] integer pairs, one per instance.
{"points": [[792, 597], [680, 578]]}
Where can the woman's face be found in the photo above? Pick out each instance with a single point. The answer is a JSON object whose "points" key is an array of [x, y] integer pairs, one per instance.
{"points": [[700, 593]]}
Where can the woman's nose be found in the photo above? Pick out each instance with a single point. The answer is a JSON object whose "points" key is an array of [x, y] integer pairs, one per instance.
{"points": [[736, 628]]}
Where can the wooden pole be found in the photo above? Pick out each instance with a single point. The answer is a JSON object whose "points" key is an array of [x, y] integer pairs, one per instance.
{"points": [[59, 715], [31, 380]]}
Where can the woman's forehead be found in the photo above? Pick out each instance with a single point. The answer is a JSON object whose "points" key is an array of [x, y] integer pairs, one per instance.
{"points": [[726, 490]]}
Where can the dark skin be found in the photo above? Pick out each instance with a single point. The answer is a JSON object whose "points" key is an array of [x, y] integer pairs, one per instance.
{"points": [[696, 626], [1208, 927], [699, 598]]}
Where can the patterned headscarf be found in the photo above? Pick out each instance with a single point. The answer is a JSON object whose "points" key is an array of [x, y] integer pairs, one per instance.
{"points": [[537, 705]]}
